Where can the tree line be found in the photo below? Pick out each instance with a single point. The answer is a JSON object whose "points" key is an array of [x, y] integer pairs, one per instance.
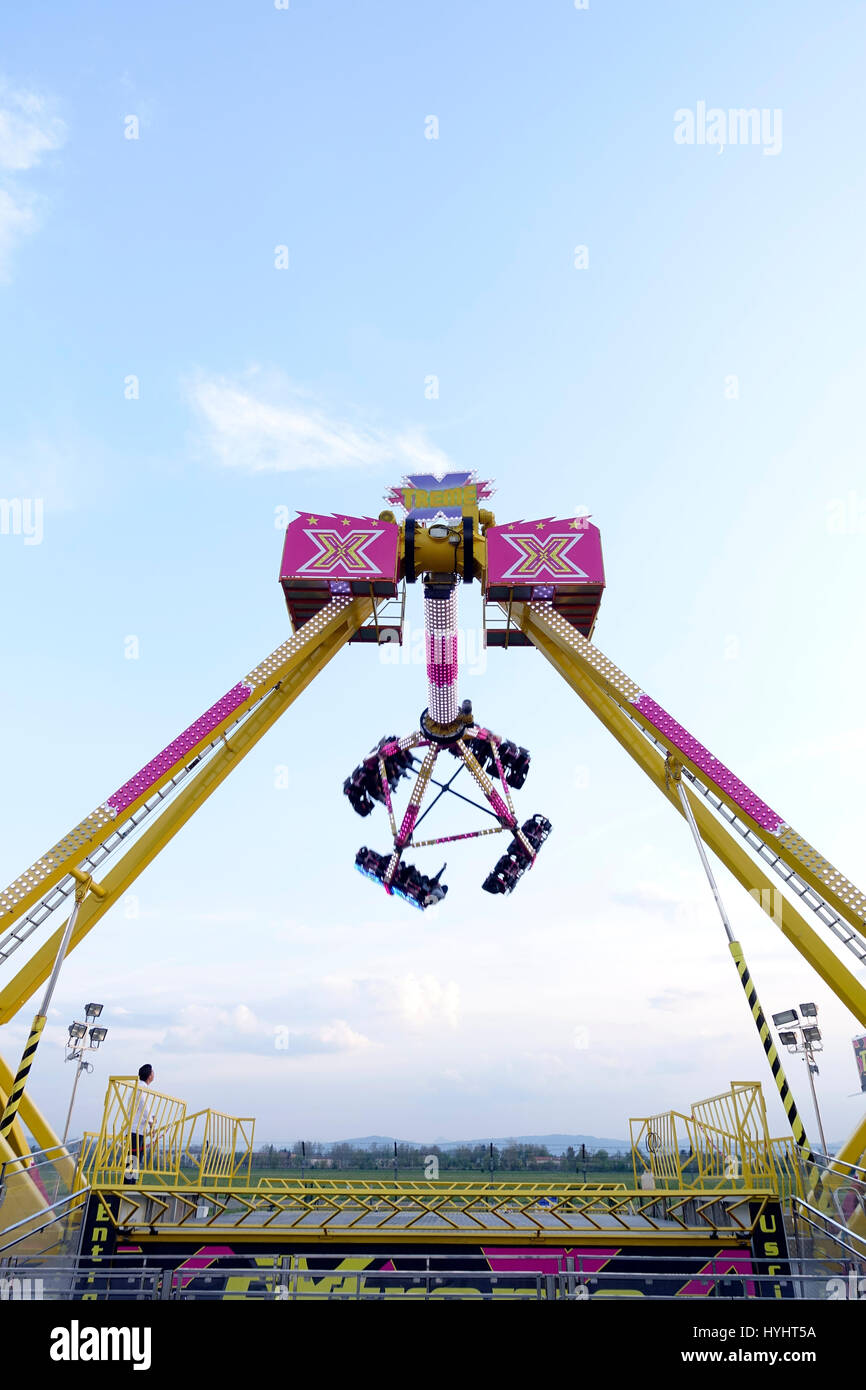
{"points": [[465, 1157]]}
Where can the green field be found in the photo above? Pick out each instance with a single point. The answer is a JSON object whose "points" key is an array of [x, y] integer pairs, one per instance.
{"points": [[554, 1177]]}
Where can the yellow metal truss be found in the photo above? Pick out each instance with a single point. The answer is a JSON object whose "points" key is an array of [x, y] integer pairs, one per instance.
{"points": [[445, 1213], [277, 681], [606, 691], [725, 1142], [276, 684]]}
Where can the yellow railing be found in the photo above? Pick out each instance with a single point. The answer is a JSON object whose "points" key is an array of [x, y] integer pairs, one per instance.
{"points": [[219, 1147], [172, 1145], [724, 1142]]}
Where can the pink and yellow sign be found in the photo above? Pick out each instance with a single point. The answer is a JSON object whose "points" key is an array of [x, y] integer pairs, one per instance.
{"points": [[340, 547], [549, 551]]}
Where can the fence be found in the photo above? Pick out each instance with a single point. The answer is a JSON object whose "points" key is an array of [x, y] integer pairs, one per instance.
{"points": [[177, 1148], [572, 1277], [40, 1203], [724, 1142]]}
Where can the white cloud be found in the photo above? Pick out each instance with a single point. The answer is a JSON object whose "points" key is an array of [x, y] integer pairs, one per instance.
{"points": [[264, 423], [205, 1025], [417, 1000], [425, 999], [17, 220], [337, 1036], [215, 1028], [28, 130], [340, 1037]]}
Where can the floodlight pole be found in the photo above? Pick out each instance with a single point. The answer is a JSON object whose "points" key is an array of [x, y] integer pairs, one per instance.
{"points": [[810, 1063], [811, 1069], [78, 1070]]}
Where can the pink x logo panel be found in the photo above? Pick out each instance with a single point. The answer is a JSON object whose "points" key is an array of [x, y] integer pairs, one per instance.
{"points": [[548, 551], [319, 546]]}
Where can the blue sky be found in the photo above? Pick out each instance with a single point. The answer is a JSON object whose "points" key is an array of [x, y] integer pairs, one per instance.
{"points": [[697, 387]]}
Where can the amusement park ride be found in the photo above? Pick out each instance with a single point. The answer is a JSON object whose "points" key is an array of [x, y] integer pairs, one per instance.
{"points": [[345, 581]]}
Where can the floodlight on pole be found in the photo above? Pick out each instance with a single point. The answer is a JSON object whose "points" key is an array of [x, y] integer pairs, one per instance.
{"points": [[805, 1039], [787, 1016], [76, 1048]]}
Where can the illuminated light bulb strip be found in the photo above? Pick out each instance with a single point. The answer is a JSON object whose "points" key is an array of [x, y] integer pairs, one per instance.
{"points": [[621, 687], [391, 870], [90, 830], [411, 815], [499, 807], [467, 835], [387, 792], [796, 849], [440, 623], [494, 744], [415, 799], [527, 845], [416, 740], [271, 664], [179, 748]]}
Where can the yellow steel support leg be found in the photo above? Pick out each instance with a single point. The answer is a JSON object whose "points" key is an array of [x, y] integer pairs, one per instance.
{"points": [[545, 628], [713, 831], [186, 801], [28, 1112], [13, 1100], [674, 776], [295, 660]]}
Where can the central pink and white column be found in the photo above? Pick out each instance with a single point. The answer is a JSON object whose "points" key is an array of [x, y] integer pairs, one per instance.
{"points": [[440, 622]]}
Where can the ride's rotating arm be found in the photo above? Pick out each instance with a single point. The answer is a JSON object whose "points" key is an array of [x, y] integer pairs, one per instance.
{"points": [[738, 819], [138, 820]]}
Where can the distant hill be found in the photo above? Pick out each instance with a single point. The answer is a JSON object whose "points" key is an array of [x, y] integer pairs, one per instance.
{"points": [[555, 1143]]}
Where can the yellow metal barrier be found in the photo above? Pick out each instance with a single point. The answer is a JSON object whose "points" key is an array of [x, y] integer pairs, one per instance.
{"points": [[146, 1134], [452, 1213], [225, 1147], [724, 1142]]}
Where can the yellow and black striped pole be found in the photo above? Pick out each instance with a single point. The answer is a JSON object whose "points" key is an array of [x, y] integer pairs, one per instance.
{"points": [[673, 773], [13, 1100], [769, 1047]]}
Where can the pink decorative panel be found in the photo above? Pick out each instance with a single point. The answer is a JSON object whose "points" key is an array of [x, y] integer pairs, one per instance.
{"points": [[154, 771], [340, 547], [703, 758], [549, 551]]}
